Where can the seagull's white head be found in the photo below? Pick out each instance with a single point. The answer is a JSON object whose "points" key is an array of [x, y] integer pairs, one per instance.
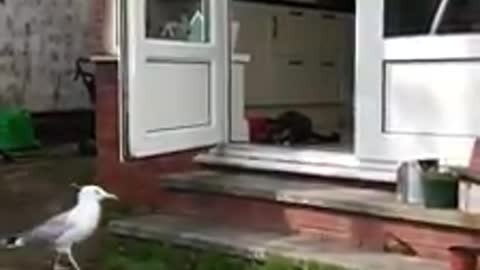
{"points": [[95, 193]]}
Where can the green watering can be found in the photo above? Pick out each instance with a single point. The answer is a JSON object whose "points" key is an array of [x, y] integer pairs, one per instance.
{"points": [[16, 130]]}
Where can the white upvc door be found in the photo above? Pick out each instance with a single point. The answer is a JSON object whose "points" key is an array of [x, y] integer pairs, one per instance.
{"points": [[178, 68], [417, 78]]}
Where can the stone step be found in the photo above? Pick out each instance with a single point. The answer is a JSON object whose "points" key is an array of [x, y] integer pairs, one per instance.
{"points": [[297, 191], [259, 244]]}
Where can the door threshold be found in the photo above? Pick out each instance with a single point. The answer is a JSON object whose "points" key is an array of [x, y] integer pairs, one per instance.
{"points": [[303, 155], [300, 161]]}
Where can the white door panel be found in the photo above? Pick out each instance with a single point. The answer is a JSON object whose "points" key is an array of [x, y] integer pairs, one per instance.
{"points": [[436, 98], [195, 111], [415, 92], [178, 68]]}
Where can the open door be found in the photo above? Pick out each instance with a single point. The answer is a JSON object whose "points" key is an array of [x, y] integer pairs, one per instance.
{"points": [[177, 75], [417, 79]]}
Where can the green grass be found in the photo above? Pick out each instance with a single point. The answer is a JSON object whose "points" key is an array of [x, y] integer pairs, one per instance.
{"points": [[123, 254]]}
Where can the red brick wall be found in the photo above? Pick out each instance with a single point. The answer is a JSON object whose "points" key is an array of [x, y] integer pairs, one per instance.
{"points": [[351, 231], [98, 13]]}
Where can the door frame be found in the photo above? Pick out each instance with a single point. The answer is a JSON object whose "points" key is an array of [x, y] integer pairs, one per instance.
{"points": [[371, 142], [298, 155], [268, 152], [365, 149]]}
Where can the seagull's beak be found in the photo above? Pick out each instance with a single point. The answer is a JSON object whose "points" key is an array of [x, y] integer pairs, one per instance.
{"points": [[111, 196], [76, 186]]}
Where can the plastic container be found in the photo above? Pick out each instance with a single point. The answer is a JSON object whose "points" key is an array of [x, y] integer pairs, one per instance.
{"points": [[409, 183], [440, 190], [16, 130]]}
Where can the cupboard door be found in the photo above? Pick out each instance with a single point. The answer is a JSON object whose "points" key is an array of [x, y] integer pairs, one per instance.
{"points": [[303, 81], [254, 39], [326, 78], [294, 31], [291, 83], [333, 35]]}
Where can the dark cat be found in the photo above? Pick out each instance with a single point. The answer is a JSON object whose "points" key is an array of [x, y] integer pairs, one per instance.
{"points": [[292, 128]]}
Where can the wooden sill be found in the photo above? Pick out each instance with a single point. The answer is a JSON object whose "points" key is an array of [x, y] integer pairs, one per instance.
{"points": [[108, 58]]}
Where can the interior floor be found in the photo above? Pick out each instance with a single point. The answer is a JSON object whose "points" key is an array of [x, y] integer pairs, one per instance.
{"points": [[344, 146], [321, 129]]}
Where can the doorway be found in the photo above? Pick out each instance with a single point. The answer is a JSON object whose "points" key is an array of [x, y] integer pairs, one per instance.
{"points": [[295, 91]]}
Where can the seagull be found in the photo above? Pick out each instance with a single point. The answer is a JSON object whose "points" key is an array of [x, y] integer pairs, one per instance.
{"points": [[64, 230]]}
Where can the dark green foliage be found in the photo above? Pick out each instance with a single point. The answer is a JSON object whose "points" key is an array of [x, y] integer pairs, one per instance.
{"points": [[277, 263], [123, 254], [317, 266]]}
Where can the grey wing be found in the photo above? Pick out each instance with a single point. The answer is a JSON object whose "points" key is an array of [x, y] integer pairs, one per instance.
{"points": [[49, 231]]}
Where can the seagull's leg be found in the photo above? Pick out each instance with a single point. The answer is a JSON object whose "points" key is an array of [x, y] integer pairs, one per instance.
{"points": [[58, 256], [72, 260], [56, 261]]}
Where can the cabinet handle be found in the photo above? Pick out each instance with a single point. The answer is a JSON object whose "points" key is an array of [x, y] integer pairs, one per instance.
{"points": [[295, 62], [274, 27], [329, 16], [296, 13], [328, 64]]}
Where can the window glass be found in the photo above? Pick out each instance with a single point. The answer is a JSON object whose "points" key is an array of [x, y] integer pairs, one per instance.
{"points": [[409, 17], [461, 16], [180, 20]]}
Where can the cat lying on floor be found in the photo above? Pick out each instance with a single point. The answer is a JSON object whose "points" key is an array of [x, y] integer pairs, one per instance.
{"points": [[294, 128]]}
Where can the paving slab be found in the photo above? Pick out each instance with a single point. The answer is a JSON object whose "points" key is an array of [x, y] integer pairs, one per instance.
{"points": [[259, 244]]}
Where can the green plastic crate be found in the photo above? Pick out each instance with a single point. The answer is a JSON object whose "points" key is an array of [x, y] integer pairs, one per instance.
{"points": [[16, 130]]}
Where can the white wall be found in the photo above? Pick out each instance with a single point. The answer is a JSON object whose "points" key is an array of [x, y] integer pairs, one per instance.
{"points": [[39, 42]]}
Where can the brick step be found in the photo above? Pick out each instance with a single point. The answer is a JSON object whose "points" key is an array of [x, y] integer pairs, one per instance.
{"points": [[298, 191], [362, 217], [259, 244]]}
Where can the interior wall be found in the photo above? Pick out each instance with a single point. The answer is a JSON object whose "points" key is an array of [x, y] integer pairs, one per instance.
{"points": [[39, 43]]}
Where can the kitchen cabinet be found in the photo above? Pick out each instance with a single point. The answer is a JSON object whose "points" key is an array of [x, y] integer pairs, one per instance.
{"points": [[299, 55], [254, 38], [293, 31]]}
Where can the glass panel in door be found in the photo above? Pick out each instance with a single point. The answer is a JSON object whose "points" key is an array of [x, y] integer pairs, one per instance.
{"points": [[178, 20], [461, 16]]}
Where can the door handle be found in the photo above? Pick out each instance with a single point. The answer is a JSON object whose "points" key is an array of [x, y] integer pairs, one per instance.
{"points": [[329, 16], [296, 13], [295, 62], [328, 64], [274, 27]]}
